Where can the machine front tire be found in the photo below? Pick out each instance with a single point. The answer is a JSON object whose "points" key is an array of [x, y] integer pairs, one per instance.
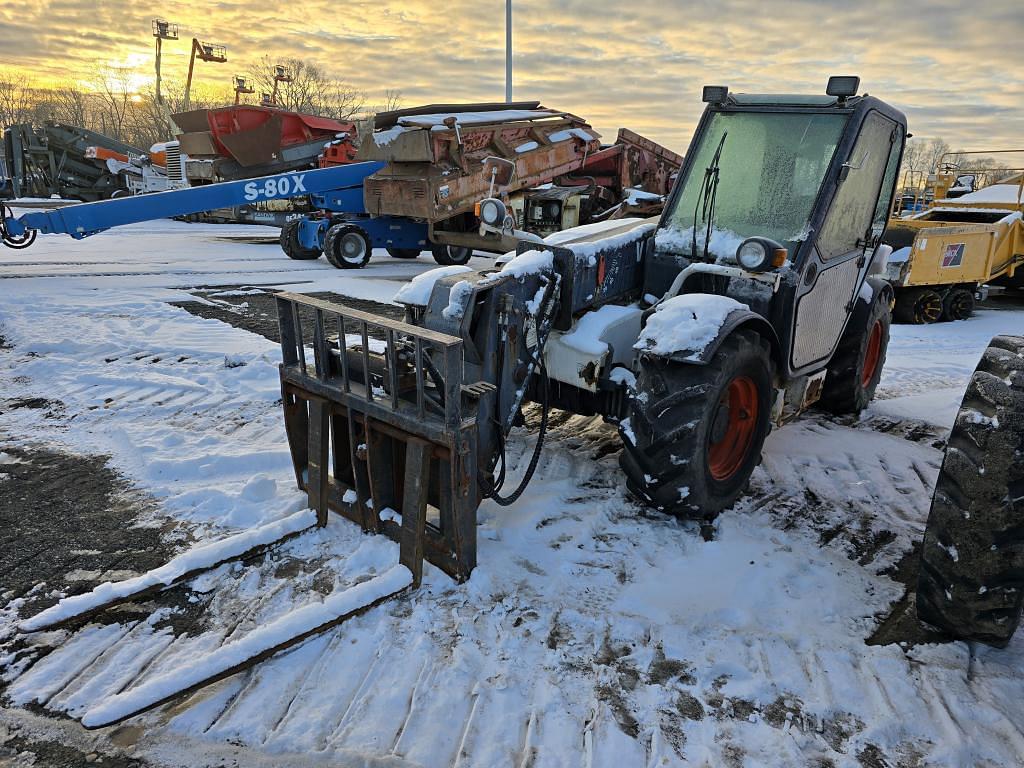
{"points": [[971, 579], [290, 244], [695, 432], [856, 366], [918, 306], [447, 255], [347, 247], [404, 253], [958, 304]]}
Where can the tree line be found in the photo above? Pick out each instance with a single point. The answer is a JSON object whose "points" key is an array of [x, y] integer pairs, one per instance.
{"points": [[924, 156], [107, 103]]}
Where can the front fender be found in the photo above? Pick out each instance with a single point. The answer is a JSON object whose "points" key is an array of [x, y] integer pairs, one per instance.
{"points": [[704, 348]]}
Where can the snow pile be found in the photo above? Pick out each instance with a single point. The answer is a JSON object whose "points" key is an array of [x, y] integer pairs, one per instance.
{"points": [[723, 244], [385, 137], [417, 291], [457, 298], [527, 147], [686, 323], [585, 335], [529, 263], [298, 622], [588, 230], [569, 133], [636, 196], [588, 250], [201, 557]]}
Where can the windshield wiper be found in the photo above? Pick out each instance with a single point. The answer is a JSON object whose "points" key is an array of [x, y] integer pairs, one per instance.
{"points": [[708, 195]]}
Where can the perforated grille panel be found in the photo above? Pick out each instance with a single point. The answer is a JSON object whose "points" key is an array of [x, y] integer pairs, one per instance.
{"points": [[821, 314]]}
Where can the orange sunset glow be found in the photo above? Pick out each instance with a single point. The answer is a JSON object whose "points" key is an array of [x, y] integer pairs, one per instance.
{"points": [[957, 69]]}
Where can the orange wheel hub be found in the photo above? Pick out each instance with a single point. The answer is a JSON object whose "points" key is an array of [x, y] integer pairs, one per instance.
{"points": [[872, 355], [734, 427]]}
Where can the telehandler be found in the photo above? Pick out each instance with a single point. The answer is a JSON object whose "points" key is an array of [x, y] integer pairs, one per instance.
{"points": [[758, 293]]}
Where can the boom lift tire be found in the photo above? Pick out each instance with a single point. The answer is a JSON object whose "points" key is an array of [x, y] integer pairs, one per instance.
{"points": [[290, 244], [856, 366], [958, 304], [447, 255], [694, 432], [404, 253], [971, 579], [346, 246], [918, 306]]}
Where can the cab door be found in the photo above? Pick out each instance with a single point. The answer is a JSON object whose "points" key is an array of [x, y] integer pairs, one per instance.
{"points": [[837, 265]]}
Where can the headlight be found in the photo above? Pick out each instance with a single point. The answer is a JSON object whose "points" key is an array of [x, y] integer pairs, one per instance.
{"points": [[491, 211], [759, 254]]}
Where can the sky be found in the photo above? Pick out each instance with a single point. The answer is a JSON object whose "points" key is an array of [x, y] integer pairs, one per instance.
{"points": [[955, 67]]}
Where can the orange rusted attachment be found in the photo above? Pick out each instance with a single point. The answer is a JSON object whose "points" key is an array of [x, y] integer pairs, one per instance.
{"points": [[102, 153]]}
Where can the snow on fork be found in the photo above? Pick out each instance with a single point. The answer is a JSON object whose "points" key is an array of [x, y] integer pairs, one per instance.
{"points": [[256, 646], [182, 567]]}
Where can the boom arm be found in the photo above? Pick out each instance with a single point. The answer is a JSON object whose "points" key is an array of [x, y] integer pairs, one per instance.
{"points": [[89, 218]]}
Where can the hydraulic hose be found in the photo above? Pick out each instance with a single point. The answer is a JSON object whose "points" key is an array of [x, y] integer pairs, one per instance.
{"points": [[506, 501], [16, 242]]}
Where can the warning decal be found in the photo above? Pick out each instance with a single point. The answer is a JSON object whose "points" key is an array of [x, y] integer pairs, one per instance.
{"points": [[953, 256]]}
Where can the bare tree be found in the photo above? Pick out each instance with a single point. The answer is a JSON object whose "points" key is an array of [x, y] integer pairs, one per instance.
{"points": [[311, 89], [113, 90], [16, 101]]}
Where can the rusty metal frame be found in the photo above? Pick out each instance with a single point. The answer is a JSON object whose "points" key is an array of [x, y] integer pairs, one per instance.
{"points": [[392, 451]]}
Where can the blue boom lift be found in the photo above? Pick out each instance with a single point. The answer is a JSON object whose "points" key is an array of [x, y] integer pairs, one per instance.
{"points": [[337, 192]]}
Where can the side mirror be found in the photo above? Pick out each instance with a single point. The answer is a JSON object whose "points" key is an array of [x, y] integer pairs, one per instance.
{"points": [[499, 171]]}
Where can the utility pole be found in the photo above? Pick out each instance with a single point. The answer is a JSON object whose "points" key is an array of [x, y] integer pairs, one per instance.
{"points": [[508, 51]]}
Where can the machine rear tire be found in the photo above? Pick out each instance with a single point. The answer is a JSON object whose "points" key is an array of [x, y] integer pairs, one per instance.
{"points": [[918, 306], [958, 304], [856, 367], [404, 253], [446, 255], [687, 448], [346, 246], [971, 579], [290, 244]]}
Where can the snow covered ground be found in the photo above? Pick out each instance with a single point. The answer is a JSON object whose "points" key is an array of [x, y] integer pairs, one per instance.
{"points": [[594, 632]]}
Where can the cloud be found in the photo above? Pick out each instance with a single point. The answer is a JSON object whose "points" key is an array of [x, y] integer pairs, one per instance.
{"points": [[951, 66]]}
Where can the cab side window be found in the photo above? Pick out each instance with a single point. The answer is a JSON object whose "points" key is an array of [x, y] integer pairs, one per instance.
{"points": [[854, 208]]}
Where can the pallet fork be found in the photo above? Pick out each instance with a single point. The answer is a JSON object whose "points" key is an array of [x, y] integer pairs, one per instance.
{"points": [[377, 433]]}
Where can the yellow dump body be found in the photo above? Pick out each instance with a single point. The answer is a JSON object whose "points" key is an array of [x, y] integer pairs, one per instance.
{"points": [[969, 240]]}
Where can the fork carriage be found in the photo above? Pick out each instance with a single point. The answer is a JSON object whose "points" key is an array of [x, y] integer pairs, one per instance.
{"points": [[379, 413]]}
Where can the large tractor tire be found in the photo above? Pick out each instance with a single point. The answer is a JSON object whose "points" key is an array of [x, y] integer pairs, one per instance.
{"points": [[347, 246], [290, 244], [694, 432], [971, 580], [447, 255], [918, 306], [856, 366]]}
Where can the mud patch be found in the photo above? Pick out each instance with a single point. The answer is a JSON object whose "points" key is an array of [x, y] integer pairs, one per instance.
{"points": [[257, 312], [18, 751], [69, 523], [33, 403], [901, 625]]}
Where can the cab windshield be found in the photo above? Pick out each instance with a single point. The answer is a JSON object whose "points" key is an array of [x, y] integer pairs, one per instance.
{"points": [[770, 169]]}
